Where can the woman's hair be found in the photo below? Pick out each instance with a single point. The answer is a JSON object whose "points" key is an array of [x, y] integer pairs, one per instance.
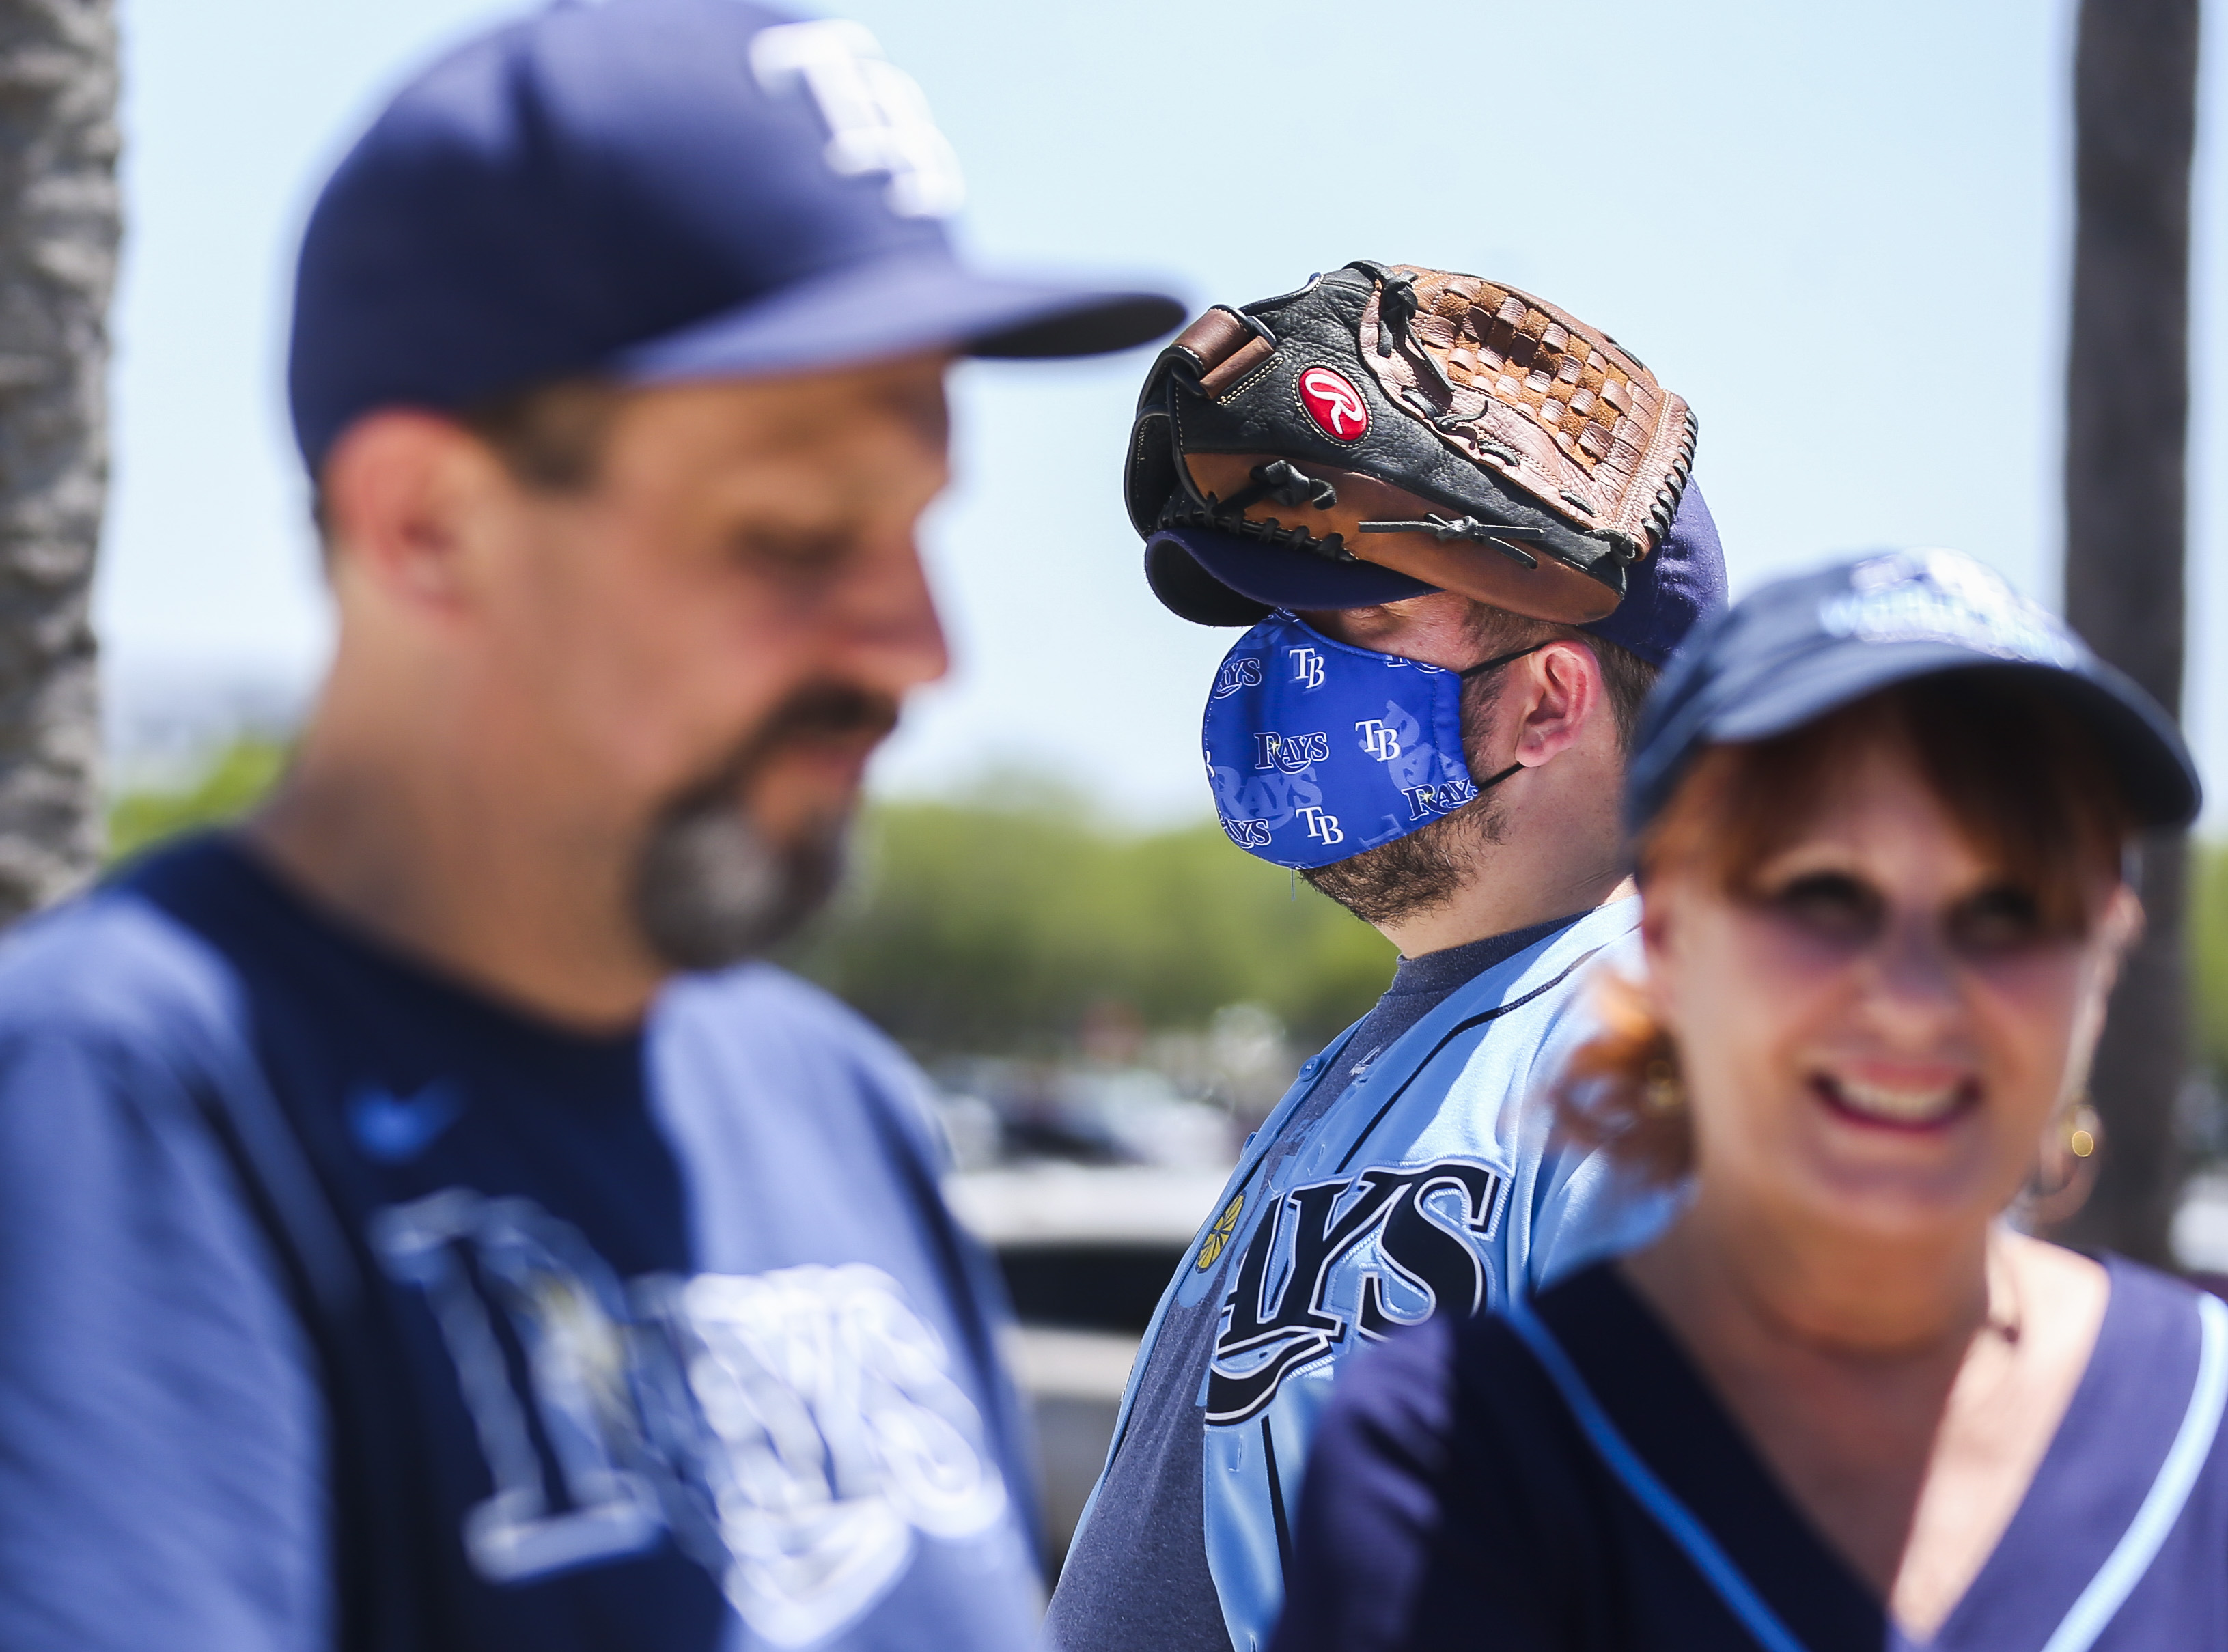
{"points": [[2025, 781]]}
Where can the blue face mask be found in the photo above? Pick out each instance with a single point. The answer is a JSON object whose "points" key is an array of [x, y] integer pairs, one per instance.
{"points": [[1317, 749]]}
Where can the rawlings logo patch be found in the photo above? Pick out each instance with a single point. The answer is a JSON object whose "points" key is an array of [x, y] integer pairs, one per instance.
{"points": [[1335, 404]]}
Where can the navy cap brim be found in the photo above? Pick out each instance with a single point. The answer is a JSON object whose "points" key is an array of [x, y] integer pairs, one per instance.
{"points": [[1212, 578], [892, 308], [1775, 696]]}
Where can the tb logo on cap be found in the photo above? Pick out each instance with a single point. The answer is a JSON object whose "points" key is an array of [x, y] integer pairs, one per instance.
{"points": [[1335, 404], [878, 119]]}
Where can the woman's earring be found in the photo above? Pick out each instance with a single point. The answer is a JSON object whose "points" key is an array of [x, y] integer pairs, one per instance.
{"points": [[2066, 1169], [2082, 1127], [1664, 1091]]}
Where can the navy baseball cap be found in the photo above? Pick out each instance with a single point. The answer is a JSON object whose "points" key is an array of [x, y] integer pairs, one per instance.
{"points": [[1214, 578], [1796, 649], [652, 191]]}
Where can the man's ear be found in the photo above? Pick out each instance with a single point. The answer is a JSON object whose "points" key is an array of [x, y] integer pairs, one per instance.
{"points": [[1554, 695], [401, 491]]}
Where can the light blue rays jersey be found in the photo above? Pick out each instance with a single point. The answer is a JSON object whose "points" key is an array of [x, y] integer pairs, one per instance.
{"points": [[1430, 1186]]}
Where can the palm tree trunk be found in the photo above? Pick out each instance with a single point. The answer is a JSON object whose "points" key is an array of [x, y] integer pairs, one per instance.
{"points": [[60, 219], [2135, 95]]}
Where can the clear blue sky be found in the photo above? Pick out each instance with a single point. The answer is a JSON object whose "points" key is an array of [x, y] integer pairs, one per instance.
{"points": [[1840, 232]]}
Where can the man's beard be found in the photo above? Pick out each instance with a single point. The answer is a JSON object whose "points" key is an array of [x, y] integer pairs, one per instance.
{"points": [[1423, 870], [711, 888], [1430, 866]]}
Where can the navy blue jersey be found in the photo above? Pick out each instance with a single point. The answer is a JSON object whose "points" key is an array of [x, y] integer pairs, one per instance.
{"points": [[340, 1306], [1456, 1481]]}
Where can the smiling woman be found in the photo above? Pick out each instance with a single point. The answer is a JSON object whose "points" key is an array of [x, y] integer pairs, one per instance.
{"points": [[1880, 816], [1990, 779]]}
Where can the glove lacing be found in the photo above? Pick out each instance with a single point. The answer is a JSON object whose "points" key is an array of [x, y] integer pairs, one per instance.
{"points": [[1397, 305]]}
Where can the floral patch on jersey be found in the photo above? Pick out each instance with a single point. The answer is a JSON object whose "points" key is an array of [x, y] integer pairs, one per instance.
{"points": [[1219, 1235]]}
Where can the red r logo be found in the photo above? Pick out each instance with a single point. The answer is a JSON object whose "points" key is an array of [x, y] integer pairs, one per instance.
{"points": [[1334, 404]]}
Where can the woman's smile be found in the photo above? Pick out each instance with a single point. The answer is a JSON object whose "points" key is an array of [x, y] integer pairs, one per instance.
{"points": [[1916, 1105]]}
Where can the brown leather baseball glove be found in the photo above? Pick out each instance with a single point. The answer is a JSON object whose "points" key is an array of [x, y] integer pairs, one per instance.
{"points": [[1464, 434]]}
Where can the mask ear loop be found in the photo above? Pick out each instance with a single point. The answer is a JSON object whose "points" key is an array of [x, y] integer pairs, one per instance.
{"points": [[1484, 666]]}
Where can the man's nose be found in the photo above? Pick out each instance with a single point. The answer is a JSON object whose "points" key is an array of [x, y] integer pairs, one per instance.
{"points": [[885, 625]]}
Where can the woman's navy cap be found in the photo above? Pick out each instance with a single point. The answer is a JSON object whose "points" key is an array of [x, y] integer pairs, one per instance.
{"points": [[1796, 649], [1214, 578], [652, 190]]}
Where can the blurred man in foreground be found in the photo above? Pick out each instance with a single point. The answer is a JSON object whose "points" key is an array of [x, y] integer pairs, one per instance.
{"points": [[399, 1249], [1457, 521]]}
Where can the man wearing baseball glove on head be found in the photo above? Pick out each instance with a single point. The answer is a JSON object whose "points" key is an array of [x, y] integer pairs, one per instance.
{"points": [[1459, 526]]}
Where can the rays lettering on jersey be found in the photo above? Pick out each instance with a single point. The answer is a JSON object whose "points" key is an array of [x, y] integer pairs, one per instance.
{"points": [[792, 1431], [1390, 1246]]}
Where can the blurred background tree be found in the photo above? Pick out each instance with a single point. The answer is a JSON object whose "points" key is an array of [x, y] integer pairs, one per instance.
{"points": [[59, 221], [2208, 962], [227, 787], [1000, 922]]}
